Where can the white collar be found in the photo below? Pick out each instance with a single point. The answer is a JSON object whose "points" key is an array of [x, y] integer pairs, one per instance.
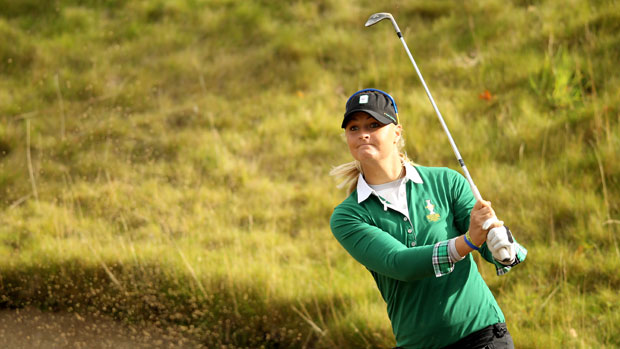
{"points": [[364, 190]]}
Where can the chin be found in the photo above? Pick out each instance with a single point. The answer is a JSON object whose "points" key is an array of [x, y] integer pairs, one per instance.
{"points": [[366, 157]]}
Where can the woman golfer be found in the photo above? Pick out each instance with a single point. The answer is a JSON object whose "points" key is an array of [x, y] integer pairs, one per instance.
{"points": [[413, 228]]}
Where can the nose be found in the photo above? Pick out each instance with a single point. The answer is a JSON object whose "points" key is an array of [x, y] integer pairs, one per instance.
{"points": [[364, 135]]}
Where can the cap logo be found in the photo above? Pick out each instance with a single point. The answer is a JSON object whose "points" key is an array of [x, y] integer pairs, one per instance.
{"points": [[363, 99]]}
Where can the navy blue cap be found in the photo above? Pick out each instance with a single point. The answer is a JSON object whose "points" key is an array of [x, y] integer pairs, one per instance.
{"points": [[376, 103]]}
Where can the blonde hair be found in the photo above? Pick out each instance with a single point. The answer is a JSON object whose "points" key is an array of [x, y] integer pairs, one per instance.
{"points": [[350, 171]]}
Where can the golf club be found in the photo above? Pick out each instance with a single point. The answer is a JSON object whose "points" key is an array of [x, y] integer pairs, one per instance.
{"points": [[376, 18]]}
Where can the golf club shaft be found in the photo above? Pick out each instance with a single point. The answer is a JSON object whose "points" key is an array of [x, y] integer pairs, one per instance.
{"points": [[474, 189], [504, 254]]}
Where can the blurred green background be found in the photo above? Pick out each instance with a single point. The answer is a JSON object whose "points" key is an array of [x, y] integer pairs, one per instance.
{"points": [[165, 162]]}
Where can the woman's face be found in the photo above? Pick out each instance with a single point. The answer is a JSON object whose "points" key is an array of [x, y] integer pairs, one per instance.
{"points": [[368, 139]]}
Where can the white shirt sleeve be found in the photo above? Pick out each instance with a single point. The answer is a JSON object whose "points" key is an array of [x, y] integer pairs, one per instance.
{"points": [[454, 254]]}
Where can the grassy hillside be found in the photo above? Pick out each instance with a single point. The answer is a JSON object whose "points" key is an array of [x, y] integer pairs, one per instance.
{"points": [[166, 161]]}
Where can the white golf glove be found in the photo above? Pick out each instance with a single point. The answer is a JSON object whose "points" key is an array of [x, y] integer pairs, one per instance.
{"points": [[487, 224], [498, 238]]}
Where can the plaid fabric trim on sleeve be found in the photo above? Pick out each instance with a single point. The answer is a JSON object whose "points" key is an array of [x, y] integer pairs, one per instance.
{"points": [[442, 264], [521, 253]]}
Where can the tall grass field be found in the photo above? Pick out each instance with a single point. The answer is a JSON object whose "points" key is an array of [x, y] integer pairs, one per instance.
{"points": [[166, 162]]}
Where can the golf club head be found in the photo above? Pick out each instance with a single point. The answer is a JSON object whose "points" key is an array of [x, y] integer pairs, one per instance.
{"points": [[377, 17]]}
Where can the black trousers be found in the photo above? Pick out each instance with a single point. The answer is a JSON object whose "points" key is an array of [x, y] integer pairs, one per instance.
{"points": [[491, 337]]}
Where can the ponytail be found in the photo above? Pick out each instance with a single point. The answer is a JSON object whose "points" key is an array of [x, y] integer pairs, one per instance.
{"points": [[350, 173]]}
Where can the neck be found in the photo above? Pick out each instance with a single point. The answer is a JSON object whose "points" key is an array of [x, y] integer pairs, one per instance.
{"points": [[382, 172]]}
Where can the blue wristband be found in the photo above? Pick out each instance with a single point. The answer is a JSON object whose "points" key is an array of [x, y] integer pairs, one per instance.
{"points": [[469, 243]]}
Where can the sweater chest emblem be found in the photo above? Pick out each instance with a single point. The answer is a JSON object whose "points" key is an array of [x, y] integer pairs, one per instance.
{"points": [[432, 216]]}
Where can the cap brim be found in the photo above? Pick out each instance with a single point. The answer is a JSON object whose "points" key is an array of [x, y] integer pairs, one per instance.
{"points": [[381, 118]]}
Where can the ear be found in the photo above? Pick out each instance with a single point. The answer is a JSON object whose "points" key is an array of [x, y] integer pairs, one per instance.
{"points": [[398, 130]]}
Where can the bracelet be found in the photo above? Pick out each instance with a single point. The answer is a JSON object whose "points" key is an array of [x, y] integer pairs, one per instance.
{"points": [[470, 243]]}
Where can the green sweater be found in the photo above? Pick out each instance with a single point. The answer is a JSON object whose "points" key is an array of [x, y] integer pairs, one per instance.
{"points": [[430, 305]]}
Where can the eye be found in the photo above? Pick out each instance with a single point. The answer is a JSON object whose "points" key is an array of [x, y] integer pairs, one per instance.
{"points": [[353, 128], [375, 125]]}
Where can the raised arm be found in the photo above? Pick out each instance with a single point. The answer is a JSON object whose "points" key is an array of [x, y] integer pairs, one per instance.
{"points": [[465, 217]]}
